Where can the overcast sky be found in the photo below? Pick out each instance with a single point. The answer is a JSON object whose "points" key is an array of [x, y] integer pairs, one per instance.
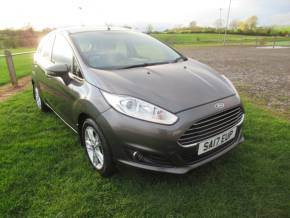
{"points": [[160, 13]]}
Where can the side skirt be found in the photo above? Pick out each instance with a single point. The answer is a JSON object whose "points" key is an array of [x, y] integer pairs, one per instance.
{"points": [[75, 131]]}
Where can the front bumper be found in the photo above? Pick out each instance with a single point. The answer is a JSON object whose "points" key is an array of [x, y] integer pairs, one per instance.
{"points": [[186, 168], [157, 143]]}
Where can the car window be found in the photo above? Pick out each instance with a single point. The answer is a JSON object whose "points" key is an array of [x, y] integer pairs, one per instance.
{"points": [[39, 48], [45, 46], [121, 49], [103, 51], [76, 69], [62, 52], [145, 50]]}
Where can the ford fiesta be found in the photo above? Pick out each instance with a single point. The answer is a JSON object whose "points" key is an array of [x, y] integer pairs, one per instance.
{"points": [[133, 100]]}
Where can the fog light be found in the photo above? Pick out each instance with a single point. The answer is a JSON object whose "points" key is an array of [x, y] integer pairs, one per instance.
{"points": [[137, 156]]}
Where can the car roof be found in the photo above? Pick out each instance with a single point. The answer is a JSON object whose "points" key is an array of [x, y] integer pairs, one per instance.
{"points": [[79, 29]]}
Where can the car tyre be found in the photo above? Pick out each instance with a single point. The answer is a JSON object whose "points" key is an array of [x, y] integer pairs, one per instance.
{"points": [[97, 148], [39, 102]]}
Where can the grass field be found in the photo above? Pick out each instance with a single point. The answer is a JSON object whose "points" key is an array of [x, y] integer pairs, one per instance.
{"points": [[22, 63], [44, 172], [209, 39]]}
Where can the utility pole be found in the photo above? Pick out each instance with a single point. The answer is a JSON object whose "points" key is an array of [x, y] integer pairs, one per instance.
{"points": [[220, 26], [226, 28]]}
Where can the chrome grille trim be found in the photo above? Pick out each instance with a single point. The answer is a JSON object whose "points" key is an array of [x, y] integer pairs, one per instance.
{"points": [[214, 125], [208, 129], [212, 133], [236, 114]]}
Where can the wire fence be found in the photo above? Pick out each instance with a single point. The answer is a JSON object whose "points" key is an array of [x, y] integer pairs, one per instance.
{"points": [[218, 39], [16, 65]]}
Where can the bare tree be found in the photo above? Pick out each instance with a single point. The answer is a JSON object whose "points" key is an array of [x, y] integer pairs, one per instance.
{"points": [[252, 22], [149, 28], [193, 24], [218, 23], [234, 25]]}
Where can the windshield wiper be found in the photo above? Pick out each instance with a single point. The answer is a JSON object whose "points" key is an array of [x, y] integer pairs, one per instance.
{"points": [[178, 59], [143, 65], [156, 63], [135, 65]]}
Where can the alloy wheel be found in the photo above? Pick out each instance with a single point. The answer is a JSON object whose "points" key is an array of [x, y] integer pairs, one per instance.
{"points": [[37, 97], [94, 147]]}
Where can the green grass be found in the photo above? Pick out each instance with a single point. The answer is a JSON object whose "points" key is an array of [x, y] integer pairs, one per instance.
{"points": [[209, 39], [22, 63], [44, 172]]}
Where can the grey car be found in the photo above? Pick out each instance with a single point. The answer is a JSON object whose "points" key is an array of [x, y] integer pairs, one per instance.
{"points": [[135, 101]]}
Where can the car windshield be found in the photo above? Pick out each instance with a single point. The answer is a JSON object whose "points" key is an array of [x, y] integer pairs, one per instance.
{"points": [[112, 49]]}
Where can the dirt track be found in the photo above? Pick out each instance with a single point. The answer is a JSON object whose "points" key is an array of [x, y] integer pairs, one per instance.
{"points": [[261, 73], [8, 90]]}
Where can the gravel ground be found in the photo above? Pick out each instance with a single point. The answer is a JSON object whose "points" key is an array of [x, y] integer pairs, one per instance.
{"points": [[263, 74]]}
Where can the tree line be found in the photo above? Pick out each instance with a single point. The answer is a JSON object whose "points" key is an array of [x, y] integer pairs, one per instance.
{"points": [[26, 37], [249, 26]]}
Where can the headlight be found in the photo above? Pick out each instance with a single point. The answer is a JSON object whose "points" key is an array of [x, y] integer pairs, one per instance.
{"points": [[231, 85], [139, 109]]}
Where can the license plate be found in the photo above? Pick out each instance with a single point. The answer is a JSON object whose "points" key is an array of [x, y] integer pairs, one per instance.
{"points": [[218, 140]]}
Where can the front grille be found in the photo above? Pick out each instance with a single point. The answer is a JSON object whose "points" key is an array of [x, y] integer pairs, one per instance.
{"points": [[190, 156], [211, 126]]}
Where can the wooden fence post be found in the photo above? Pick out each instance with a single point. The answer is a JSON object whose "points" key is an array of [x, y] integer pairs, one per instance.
{"points": [[10, 66]]}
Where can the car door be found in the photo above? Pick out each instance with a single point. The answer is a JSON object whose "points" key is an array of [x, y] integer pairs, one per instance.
{"points": [[66, 91]]}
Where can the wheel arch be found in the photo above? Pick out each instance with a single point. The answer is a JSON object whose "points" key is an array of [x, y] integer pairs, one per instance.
{"points": [[83, 116], [81, 119], [84, 109]]}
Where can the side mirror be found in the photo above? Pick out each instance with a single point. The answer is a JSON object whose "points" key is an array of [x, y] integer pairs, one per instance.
{"points": [[57, 70]]}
